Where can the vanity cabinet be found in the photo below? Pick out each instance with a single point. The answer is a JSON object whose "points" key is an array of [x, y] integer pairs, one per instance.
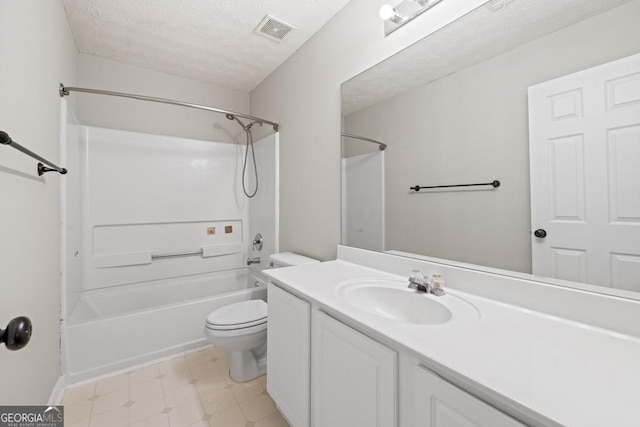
{"points": [[441, 404], [289, 355], [353, 377], [323, 373]]}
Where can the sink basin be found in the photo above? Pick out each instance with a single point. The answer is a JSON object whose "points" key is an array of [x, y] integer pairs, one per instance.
{"points": [[394, 302]]}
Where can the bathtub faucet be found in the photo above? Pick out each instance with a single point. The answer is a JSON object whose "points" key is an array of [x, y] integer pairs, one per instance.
{"points": [[255, 260]]}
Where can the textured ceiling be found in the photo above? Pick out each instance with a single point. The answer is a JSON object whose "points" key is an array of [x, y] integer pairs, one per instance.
{"points": [[206, 40], [478, 36]]}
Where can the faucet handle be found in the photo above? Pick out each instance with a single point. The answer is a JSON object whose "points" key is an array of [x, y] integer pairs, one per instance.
{"points": [[417, 281], [436, 283], [416, 277], [257, 242]]}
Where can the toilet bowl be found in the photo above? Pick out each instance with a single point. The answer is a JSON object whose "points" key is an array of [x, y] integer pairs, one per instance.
{"points": [[241, 328]]}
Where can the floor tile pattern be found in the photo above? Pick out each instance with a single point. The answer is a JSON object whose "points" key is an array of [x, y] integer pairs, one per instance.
{"points": [[194, 390]]}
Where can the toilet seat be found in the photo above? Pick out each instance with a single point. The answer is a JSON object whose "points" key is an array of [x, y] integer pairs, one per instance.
{"points": [[214, 331], [239, 316]]}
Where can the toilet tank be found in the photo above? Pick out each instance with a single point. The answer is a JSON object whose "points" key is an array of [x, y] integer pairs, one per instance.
{"points": [[288, 259]]}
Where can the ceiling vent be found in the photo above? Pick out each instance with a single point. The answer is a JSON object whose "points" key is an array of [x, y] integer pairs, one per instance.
{"points": [[274, 28], [495, 5]]}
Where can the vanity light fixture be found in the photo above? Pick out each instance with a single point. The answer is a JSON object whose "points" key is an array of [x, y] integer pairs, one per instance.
{"points": [[395, 17], [388, 13]]}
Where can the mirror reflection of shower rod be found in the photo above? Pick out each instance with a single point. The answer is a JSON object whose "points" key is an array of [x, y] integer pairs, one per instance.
{"points": [[381, 145]]}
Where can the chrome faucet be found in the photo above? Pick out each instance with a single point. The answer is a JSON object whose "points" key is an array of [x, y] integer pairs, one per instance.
{"points": [[422, 285], [255, 260]]}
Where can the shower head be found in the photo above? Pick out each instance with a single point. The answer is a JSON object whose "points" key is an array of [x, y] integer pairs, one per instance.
{"points": [[254, 123], [244, 127]]}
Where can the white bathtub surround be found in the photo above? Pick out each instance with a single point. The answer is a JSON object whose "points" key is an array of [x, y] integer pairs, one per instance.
{"points": [[363, 200], [143, 195], [114, 329], [264, 207], [192, 389], [156, 236], [545, 355]]}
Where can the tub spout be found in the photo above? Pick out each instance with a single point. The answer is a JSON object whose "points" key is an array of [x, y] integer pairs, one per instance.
{"points": [[255, 260]]}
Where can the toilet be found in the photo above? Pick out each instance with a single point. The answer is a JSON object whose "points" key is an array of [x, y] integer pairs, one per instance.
{"points": [[241, 328]]}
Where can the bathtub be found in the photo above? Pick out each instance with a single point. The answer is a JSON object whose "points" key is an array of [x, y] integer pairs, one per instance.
{"points": [[119, 328]]}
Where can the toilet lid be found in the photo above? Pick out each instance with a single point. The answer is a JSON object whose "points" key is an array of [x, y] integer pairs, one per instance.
{"points": [[239, 314], [237, 330]]}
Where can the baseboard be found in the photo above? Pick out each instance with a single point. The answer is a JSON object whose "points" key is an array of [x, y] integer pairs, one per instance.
{"points": [[57, 393]]}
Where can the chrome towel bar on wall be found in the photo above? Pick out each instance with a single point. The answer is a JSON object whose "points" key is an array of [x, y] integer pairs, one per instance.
{"points": [[5, 139], [494, 184]]}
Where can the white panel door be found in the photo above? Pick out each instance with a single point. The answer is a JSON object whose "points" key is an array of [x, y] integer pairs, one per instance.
{"points": [[353, 377], [288, 355], [441, 404], [585, 175]]}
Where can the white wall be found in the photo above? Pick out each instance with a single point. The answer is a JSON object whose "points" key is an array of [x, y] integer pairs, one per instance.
{"points": [[140, 116], [37, 52], [472, 126], [303, 95]]}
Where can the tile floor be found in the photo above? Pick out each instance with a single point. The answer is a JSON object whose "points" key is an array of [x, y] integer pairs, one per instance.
{"points": [[194, 390]]}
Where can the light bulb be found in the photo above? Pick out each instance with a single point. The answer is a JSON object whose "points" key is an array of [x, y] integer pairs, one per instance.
{"points": [[387, 12]]}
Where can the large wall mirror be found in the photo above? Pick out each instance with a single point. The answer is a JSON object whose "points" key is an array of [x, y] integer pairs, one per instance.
{"points": [[541, 95]]}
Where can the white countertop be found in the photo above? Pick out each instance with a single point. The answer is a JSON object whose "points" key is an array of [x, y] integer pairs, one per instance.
{"points": [[544, 368]]}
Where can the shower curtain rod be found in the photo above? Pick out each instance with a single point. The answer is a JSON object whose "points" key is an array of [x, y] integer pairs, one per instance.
{"points": [[65, 91], [382, 146]]}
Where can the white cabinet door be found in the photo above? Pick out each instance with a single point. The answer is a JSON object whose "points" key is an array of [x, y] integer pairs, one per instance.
{"points": [[288, 355], [585, 175], [353, 377], [441, 404]]}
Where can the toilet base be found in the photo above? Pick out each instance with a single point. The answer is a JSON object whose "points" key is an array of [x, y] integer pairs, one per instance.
{"points": [[245, 367]]}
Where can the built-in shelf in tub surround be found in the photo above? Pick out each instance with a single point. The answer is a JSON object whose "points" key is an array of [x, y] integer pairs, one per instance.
{"points": [[535, 365]]}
